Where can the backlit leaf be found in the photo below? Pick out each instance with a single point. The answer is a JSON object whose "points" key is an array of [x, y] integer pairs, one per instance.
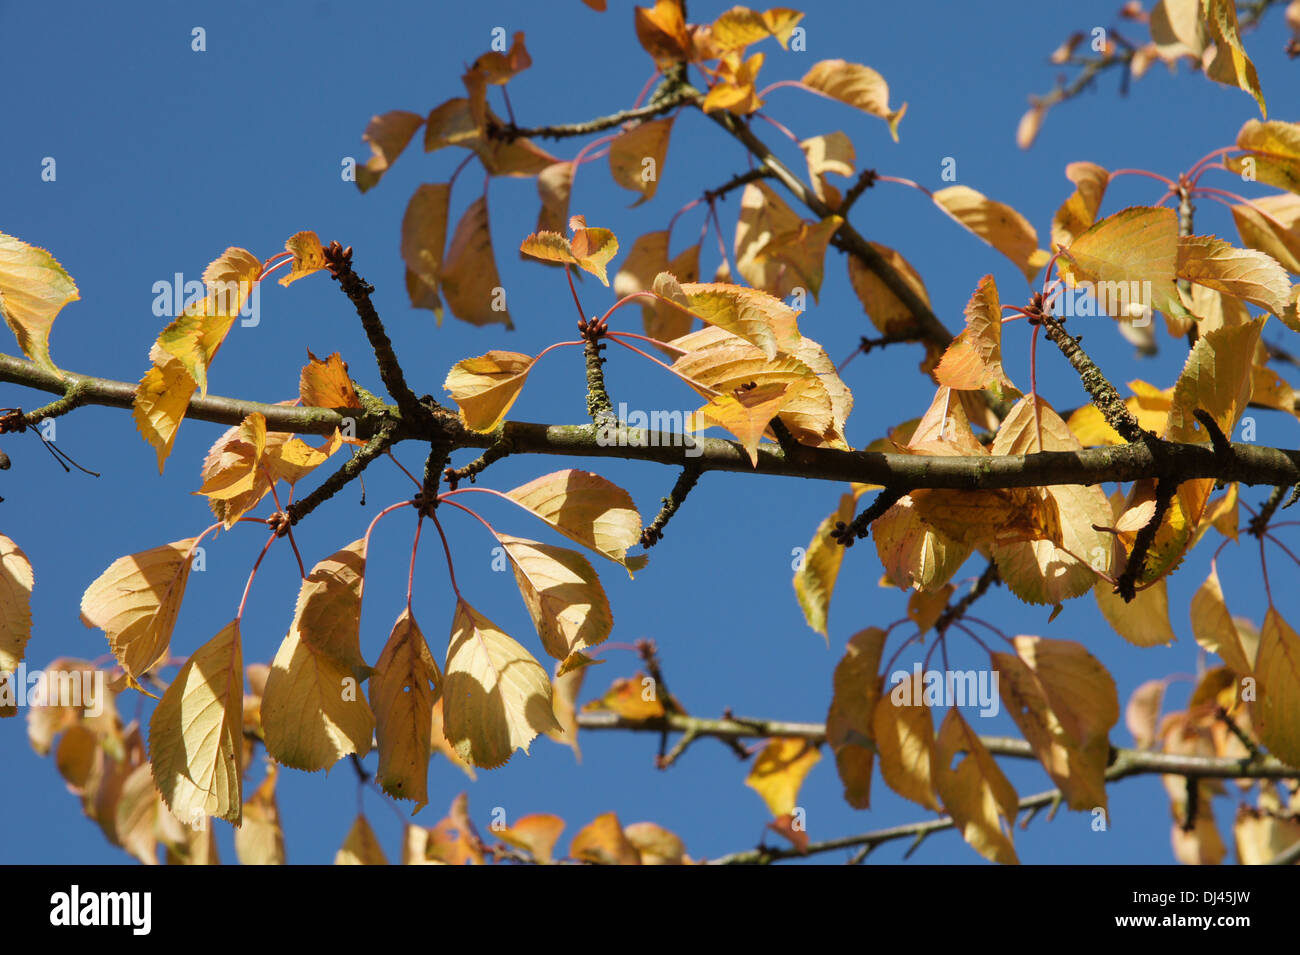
{"points": [[858, 86], [33, 289], [562, 593], [849, 729], [779, 771], [468, 274], [997, 224], [387, 135], [485, 388], [587, 508], [403, 688]]}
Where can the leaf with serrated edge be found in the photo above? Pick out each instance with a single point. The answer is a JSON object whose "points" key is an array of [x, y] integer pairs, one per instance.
{"points": [[849, 731], [403, 688], [485, 388], [496, 697], [904, 737], [562, 593], [34, 287], [586, 508], [196, 733]]}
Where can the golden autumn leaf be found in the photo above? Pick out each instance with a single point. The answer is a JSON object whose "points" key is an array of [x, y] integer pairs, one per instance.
{"points": [[976, 794], [1118, 256], [1261, 837], [536, 834], [1277, 668], [562, 593], [832, 153], [1142, 621], [746, 413], [1213, 627], [602, 840], [161, 400], [739, 27], [636, 157], [424, 235], [1231, 66], [388, 135], [1148, 404], [1143, 712], [34, 287], [1273, 153], [1178, 30], [485, 388], [904, 738], [974, 360], [1065, 704], [589, 249], [779, 771], [308, 256], [735, 89], [849, 729], [16, 582], [1051, 571], [751, 314], [1078, 213], [325, 384], [886, 311], [565, 687], [661, 30], [656, 845], [260, 840], [404, 686], [1271, 224], [913, 553], [586, 508], [496, 697], [997, 224], [135, 602], [776, 250], [814, 580], [361, 847], [313, 712], [859, 86], [635, 698], [468, 273], [195, 735], [1250, 275]]}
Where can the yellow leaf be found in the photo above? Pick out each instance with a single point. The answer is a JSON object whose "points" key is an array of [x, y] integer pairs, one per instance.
{"points": [[308, 256], [1078, 213], [904, 738], [260, 840], [135, 602], [387, 135], [776, 250], [1274, 153], [1065, 704], [325, 384], [1213, 627], [196, 733], [496, 697], [1272, 225], [360, 847], [16, 582], [1129, 261], [913, 553], [536, 834], [636, 156], [976, 794], [33, 289], [974, 360], [424, 234], [751, 314], [814, 580], [403, 688], [562, 593], [565, 687], [886, 311], [233, 464], [656, 845], [735, 90], [1262, 836], [586, 508], [991, 516], [485, 388], [826, 154], [849, 730], [1251, 276], [602, 840], [592, 248], [1143, 711], [858, 86], [745, 413], [469, 277], [313, 713], [779, 771], [161, 400], [740, 26], [998, 224], [1043, 571], [1277, 668], [1231, 66], [1178, 30], [634, 698], [661, 30], [1142, 621]]}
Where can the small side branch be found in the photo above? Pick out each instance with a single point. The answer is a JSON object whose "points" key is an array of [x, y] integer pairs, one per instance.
{"points": [[358, 291], [344, 475], [1126, 586], [1103, 393], [599, 407], [860, 526], [685, 482]]}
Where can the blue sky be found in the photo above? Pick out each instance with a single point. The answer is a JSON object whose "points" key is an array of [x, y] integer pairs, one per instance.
{"points": [[166, 156]]}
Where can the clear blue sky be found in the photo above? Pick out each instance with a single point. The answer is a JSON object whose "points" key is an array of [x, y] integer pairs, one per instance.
{"points": [[166, 156]]}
